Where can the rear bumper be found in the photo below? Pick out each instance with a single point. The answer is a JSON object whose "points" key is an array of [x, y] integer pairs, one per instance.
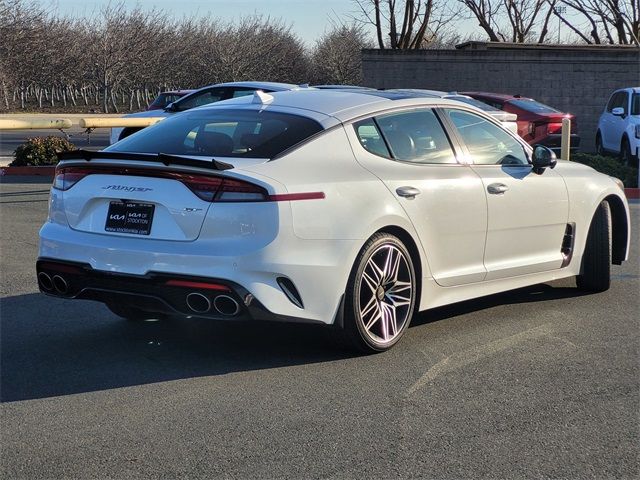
{"points": [[155, 292], [554, 142], [318, 269]]}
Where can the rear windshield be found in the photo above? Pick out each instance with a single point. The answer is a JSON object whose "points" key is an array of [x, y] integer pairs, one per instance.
{"points": [[474, 102], [533, 106], [222, 133], [635, 104]]}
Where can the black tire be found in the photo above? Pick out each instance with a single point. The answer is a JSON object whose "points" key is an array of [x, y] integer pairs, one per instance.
{"points": [[599, 147], [625, 153], [397, 297], [131, 314], [595, 271]]}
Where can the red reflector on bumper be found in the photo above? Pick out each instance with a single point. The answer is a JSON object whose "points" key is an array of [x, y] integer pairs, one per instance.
{"points": [[206, 286], [60, 267], [283, 197]]}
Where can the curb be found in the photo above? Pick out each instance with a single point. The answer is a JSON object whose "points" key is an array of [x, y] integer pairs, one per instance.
{"points": [[631, 193], [38, 171]]}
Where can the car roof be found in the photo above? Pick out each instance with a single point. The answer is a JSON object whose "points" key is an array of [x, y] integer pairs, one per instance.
{"points": [[330, 107], [419, 92], [343, 87], [275, 86], [177, 92], [633, 89]]}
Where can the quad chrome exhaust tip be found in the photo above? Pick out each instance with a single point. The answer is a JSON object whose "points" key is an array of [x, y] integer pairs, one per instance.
{"points": [[226, 305], [198, 303], [45, 281], [60, 285]]}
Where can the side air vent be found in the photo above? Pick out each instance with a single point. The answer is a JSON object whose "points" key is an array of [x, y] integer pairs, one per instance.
{"points": [[290, 291], [567, 244]]}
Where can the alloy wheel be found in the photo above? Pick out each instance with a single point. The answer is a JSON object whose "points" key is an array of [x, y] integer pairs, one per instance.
{"points": [[385, 297]]}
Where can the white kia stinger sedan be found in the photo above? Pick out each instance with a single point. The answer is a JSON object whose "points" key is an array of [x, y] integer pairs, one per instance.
{"points": [[351, 209]]}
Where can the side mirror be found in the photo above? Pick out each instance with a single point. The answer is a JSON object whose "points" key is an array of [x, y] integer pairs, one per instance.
{"points": [[618, 112], [543, 157], [171, 107]]}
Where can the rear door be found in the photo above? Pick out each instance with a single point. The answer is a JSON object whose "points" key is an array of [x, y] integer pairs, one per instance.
{"points": [[411, 153], [527, 212]]}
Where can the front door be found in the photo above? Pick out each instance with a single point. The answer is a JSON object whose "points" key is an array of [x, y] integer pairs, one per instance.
{"points": [[527, 212]]}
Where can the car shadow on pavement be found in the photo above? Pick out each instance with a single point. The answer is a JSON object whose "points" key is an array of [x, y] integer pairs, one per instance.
{"points": [[52, 347], [536, 293]]}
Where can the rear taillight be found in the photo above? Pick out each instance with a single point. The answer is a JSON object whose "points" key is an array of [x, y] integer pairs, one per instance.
{"points": [[554, 128], [218, 189], [208, 188], [65, 178]]}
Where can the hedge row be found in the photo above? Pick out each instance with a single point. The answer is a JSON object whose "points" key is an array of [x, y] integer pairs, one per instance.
{"points": [[609, 166]]}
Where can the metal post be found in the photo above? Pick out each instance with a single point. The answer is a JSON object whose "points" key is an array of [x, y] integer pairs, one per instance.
{"points": [[565, 142]]}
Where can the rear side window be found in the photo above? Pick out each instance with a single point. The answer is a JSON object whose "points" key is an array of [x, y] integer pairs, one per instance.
{"points": [[370, 138], [222, 133], [533, 106], [416, 136]]}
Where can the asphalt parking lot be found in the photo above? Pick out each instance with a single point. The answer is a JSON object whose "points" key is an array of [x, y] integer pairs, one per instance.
{"points": [[542, 382]]}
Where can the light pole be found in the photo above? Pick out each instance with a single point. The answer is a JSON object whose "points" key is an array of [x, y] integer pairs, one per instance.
{"points": [[558, 11]]}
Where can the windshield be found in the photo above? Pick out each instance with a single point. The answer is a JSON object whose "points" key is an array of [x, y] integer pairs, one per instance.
{"points": [[635, 104], [221, 133], [533, 106], [474, 102]]}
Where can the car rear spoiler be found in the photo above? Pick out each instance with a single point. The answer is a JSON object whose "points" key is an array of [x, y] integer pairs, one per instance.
{"points": [[164, 158]]}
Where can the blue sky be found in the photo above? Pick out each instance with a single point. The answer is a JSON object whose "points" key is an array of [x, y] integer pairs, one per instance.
{"points": [[309, 18]]}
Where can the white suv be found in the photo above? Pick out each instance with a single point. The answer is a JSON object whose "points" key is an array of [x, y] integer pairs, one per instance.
{"points": [[619, 125]]}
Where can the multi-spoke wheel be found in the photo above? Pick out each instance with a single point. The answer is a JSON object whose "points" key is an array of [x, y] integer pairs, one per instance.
{"points": [[381, 294]]}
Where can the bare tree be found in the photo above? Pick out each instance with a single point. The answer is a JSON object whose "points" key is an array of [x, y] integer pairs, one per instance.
{"points": [[408, 24], [336, 57], [512, 20], [607, 21]]}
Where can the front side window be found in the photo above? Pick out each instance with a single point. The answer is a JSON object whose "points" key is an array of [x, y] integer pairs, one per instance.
{"points": [[635, 104], [222, 133], [487, 143], [416, 136], [623, 102], [612, 102], [198, 99], [242, 92]]}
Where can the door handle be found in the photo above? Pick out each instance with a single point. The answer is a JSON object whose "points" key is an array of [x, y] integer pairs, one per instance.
{"points": [[497, 188], [408, 192]]}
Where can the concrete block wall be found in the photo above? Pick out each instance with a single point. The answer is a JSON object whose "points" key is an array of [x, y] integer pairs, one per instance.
{"points": [[578, 80]]}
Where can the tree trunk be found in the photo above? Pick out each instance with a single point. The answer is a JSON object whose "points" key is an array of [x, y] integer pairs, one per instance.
{"points": [[114, 102], [105, 99]]}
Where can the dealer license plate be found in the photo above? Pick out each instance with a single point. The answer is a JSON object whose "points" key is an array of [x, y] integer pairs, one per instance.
{"points": [[130, 217]]}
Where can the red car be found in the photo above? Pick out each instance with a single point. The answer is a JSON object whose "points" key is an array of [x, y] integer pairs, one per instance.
{"points": [[165, 98], [538, 124]]}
